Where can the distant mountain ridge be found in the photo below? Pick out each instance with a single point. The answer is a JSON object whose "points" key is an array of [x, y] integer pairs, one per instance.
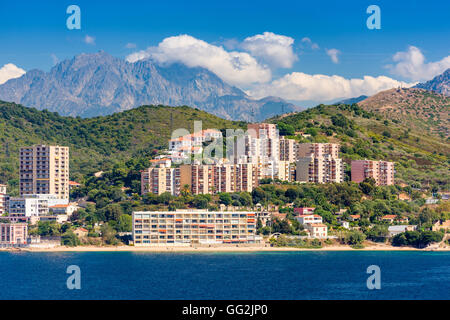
{"points": [[99, 84], [439, 84]]}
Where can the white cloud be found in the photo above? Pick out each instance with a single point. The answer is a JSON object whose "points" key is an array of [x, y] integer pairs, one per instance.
{"points": [[10, 71], [313, 45], [333, 53], [238, 68], [298, 86], [411, 65], [130, 45], [89, 40], [273, 49]]}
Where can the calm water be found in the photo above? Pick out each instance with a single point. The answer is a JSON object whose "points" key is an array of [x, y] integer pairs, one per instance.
{"points": [[274, 275]]}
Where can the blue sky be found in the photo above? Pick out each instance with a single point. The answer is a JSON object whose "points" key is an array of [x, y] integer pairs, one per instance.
{"points": [[34, 35]]}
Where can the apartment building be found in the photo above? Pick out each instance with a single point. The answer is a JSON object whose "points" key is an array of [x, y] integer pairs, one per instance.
{"points": [[160, 178], [34, 205], [381, 171], [259, 130], [318, 150], [319, 170], [3, 199], [214, 178], [288, 149], [44, 170], [286, 171], [185, 227], [12, 234]]}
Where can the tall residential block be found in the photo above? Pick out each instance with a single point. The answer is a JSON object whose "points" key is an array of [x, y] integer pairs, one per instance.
{"points": [[44, 170], [319, 163], [186, 227], [288, 149], [3, 199], [160, 178], [319, 170], [381, 171], [318, 150], [214, 178]]}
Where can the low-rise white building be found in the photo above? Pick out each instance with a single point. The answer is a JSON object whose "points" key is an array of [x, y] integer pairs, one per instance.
{"points": [[34, 205], [309, 218], [317, 230]]}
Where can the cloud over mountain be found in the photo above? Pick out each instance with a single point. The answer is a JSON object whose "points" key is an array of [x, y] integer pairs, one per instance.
{"points": [[10, 71], [300, 86], [273, 49], [411, 65], [238, 68]]}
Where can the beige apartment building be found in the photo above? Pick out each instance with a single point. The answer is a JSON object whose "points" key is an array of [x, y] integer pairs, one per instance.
{"points": [[214, 178], [44, 170], [288, 149], [319, 170], [381, 171], [3, 199], [160, 178], [260, 130], [186, 227], [318, 150]]}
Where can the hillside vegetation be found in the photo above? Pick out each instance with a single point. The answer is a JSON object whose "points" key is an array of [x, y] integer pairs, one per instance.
{"points": [[422, 110], [422, 159], [95, 143]]}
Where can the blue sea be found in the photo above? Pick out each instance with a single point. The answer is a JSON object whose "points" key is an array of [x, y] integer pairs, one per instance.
{"points": [[235, 276]]}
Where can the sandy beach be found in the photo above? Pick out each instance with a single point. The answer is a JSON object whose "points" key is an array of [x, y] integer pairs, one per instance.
{"points": [[372, 247]]}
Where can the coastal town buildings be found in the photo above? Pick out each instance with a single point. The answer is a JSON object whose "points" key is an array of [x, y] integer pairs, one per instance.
{"points": [[381, 171], [319, 163], [214, 178], [304, 210], [12, 234], [317, 230], [193, 227], [160, 178], [3, 199], [288, 149], [44, 170], [34, 205], [309, 219]]}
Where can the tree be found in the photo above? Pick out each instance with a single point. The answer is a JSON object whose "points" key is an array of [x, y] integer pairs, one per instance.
{"points": [[291, 194], [108, 234], [225, 198], [355, 238], [125, 223], [70, 239]]}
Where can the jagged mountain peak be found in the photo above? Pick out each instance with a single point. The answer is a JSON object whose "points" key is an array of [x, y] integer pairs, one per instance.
{"points": [[92, 84]]}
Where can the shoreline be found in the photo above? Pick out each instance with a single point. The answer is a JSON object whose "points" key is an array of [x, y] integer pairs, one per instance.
{"points": [[230, 249]]}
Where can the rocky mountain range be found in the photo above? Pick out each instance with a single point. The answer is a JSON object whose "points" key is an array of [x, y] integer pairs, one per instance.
{"points": [[439, 84], [99, 84]]}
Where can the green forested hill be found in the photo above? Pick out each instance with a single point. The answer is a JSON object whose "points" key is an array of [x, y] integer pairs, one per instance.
{"points": [[95, 143], [421, 158]]}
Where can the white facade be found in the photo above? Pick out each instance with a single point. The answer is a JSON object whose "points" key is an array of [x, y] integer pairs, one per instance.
{"points": [[34, 205], [3, 199], [309, 218]]}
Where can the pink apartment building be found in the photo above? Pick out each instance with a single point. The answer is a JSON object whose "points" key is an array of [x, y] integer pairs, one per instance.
{"points": [[381, 171], [13, 233]]}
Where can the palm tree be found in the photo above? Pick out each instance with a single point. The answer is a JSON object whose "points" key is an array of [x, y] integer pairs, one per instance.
{"points": [[185, 190]]}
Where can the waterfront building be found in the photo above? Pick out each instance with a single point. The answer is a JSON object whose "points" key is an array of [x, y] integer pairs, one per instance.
{"points": [[44, 170], [185, 227], [34, 205], [12, 234], [381, 171], [317, 230], [3, 199]]}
